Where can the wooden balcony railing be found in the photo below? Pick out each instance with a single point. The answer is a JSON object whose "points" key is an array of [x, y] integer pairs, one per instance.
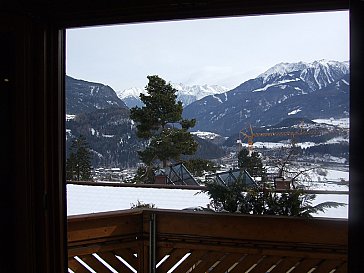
{"points": [[179, 241]]}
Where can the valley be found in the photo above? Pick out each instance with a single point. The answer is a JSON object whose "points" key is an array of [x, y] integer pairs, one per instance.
{"points": [[304, 102]]}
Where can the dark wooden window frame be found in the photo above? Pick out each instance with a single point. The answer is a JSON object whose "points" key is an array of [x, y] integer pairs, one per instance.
{"points": [[40, 32]]}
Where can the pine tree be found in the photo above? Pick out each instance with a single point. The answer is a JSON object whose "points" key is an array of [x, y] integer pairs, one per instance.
{"points": [[78, 164], [160, 122], [198, 166], [252, 164]]}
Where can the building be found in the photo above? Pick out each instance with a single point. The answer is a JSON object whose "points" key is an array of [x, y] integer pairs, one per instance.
{"points": [[232, 176], [176, 174]]}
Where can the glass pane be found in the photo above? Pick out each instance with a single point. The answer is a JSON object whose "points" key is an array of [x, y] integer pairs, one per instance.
{"points": [[270, 95]]}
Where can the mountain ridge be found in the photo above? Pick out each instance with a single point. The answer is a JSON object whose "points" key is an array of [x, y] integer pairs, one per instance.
{"points": [[84, 96], [313, 91], [273, 95], [185, 93]]}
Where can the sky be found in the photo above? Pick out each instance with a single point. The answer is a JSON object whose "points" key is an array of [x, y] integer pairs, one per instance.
{"points": [[222, 51]]}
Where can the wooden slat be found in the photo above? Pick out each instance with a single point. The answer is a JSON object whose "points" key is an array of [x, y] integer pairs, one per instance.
{"points": [[306, 265], [285, 264], [265, 264], [76, 266], [247, 262], [114, 262], [175, 256], [188, 263], [208, 261], [343, 268], [327, 266], [128, 256], [229, 260], [162, 252], [95, 264]]}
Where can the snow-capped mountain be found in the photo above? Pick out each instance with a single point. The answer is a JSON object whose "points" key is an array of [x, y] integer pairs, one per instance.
{"points": [[312, 90], [317, 74], [96, 112], [186, 94]]}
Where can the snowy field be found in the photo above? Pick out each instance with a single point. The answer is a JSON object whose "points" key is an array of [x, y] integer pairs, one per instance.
{"points": [[342, 123], [83, 199]]}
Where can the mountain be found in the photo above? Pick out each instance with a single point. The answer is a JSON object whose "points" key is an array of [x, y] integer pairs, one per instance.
{"points": [[277, 100], [110, 134], [86, 97], [186, 94], [96, 112], [311, 90]]}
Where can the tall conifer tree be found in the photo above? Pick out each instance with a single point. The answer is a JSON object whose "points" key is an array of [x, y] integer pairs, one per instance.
{"points": [[160, 122], [252, 164]]}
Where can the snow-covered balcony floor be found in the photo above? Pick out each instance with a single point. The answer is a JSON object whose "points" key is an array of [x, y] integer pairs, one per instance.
{"points": [[84, 199]]}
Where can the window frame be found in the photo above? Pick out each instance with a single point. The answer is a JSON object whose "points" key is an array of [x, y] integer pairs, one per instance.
{"points": [[71, 14]]}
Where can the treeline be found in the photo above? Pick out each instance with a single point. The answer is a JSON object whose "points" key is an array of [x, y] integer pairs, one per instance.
{"points": [[334, 149]]}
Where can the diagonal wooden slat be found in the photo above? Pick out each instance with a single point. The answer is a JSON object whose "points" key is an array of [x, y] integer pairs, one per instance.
{"points": [[76, 266], [207, 261], [285, 264], [343, 268], [95, 264], [306, 265], [114, 262], [265, 264], [128, 256], [246, 263], [190, 262], [227, 262], [163, 252], [175, 256], [327, 266]]}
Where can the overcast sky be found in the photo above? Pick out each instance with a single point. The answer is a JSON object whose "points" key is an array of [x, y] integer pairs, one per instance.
{"points": [[224, 51]]}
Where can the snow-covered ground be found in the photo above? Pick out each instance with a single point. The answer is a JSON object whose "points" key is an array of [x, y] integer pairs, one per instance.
{"points": [[82, 199], [342, 123], [90, 199]]}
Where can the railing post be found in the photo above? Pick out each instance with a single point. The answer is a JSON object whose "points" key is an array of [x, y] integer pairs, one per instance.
{"points": [[152, 242]]}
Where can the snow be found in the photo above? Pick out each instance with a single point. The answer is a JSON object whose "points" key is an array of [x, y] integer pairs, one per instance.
{"points": [[342, 123], [321, 65], [271, 145], [131, 92], [70, 117], [206, 135], [344, 81], [93, 132], [108, 136], [218, 99], [294, 112], [196, 91], [341, 212], [83, 199], [274, 84], [336, 175], [281, 69]]}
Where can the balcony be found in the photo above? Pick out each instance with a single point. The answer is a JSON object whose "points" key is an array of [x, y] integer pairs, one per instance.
{"points": [[155, 240]]}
